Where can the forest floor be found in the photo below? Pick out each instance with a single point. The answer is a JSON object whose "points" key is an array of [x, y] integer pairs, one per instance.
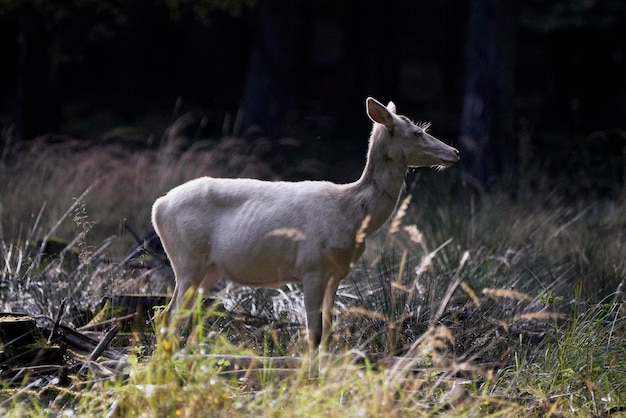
{"points": [[506, 302]]}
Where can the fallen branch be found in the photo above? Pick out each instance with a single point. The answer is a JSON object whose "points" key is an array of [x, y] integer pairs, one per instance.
{"points": [[90, 327], [57, 321], [103, 344]]}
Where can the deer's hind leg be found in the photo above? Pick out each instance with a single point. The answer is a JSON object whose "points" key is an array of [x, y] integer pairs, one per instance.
{"points": [[189, 274], [328, 312], [187, 293]]}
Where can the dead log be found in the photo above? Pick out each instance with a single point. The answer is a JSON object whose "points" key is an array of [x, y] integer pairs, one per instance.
{"points": [[83, 344], [16, 330]]}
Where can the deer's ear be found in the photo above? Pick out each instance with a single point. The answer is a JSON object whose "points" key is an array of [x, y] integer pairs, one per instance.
{"points": [[391, 106], [379, 113]]}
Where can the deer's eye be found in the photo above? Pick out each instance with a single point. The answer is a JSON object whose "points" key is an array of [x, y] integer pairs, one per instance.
{"points": [[417, 134]]}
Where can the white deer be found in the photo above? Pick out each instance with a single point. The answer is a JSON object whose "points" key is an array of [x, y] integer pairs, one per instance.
{"points": [[266, 234]]}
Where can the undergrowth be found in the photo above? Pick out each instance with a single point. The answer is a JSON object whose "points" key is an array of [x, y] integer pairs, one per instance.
{"points": [[465, 304]]}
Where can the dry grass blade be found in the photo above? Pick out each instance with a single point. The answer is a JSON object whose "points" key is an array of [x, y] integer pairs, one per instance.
{"points": [[401, 212], [292, 234], [361, 233], [451, 288], [470, 292], [415, 234], [63, 217], [539, 316], [428, 258], [364, 313], [506, 293]]}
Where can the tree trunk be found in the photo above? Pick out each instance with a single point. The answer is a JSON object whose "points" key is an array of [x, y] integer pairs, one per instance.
{"points": [[265, 97], [487, 117], [35, 108]]}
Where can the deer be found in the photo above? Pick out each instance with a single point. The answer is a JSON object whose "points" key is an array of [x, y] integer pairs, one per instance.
{"points": [[269, 233]]}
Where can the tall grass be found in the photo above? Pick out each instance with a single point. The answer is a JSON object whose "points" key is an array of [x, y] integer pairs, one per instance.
{"points": [[125, 173], [466, 304]]}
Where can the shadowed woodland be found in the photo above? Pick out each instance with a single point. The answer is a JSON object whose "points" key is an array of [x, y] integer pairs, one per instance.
{"points": [[495, 289], [507, 82]]}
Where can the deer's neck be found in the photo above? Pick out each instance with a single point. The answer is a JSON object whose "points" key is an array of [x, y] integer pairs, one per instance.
{"points": [[377, 192]]}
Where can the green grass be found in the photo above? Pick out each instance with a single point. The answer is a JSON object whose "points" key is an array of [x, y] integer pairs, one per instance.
{"points": [[465, 304]]}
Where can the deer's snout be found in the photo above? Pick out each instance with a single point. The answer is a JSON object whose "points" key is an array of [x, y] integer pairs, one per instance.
{"points": [[452, 159]]}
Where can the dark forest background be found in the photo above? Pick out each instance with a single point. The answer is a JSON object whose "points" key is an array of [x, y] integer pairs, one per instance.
{"points": [[510, 83]]}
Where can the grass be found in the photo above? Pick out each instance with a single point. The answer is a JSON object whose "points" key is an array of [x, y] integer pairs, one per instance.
{"points": [[465, 304]]}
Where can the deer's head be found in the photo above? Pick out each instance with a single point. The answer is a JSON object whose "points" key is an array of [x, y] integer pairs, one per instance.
{"points": [[407, 142]]}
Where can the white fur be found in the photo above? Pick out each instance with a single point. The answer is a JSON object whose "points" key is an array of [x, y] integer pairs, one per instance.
{"points": [[265, 234]]}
